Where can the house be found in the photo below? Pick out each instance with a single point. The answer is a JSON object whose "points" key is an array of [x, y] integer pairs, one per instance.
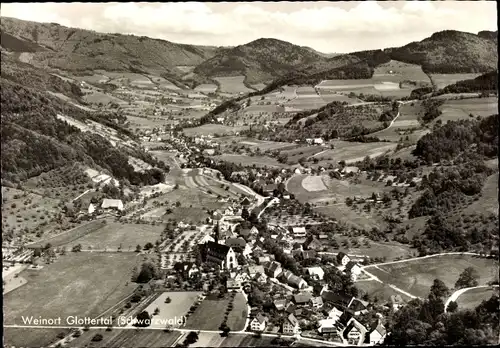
{"points": [[253, 270], [206, 238], [290, 325], [318, 141], [279, 304], [262, 260], [317, 302], [269, 189], [376, 334], [322, 237], [354, 269], [238, 244], [294, 280], [244, 232], [254, 231], [221, 255], [343, 259], [209, 152], [245, 202], [247, 251], [186, 269], [233, 284], [260, 278], [327, 326], [354, 332], [258, 323], [274, 269], [241, 277], [348, 170], [358, 306], [290, 307], [335, 314], [91, 209], [302, 298], [316, 272], [312, 243], [112, 204], [299, 232], [308, 255], [309, 141]]}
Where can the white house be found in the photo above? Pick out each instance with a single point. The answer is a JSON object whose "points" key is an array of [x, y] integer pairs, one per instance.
{"points": [[343, 259], [327, 325], [91, 208], [316, 272], [112, 204], [253, 270], [206, 238], [247, 252], [335, 314], [299, 232], [376, 334], [258, 323], [354, 268], [274, 269], [318, 141]]}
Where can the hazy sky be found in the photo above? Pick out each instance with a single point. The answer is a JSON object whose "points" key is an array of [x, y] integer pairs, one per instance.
{"points": [[325, 26]]}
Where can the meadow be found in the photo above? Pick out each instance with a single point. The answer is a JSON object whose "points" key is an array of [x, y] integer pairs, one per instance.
{"points": [[443, 80], [473, 297], [210, 313], [78, 284], [213, 129], [461, 109], [417, 276], [259, 161], [351, 152], [488, 202], [112, 235], [232, 84], [128, 338], [400, 72], [382, 292], [173, 311], [24, 337], [206, 88]]}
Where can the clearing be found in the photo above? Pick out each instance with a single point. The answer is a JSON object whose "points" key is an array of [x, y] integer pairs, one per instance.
{"points": [[443, 80], [473, 297], [213, 129], [460, 109], [417, 276], [232, 84]]}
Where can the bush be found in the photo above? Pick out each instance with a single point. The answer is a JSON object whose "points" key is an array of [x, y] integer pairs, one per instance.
{"points": [[97, 338]]}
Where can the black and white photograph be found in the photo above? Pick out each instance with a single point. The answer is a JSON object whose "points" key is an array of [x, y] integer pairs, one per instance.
{"points": [[249, 174]]}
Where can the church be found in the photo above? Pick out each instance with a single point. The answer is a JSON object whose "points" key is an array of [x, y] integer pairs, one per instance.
{"points": [[219, 254]]}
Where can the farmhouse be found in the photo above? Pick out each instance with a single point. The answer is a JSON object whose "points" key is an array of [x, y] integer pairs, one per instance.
{"points": [[354, 269], [221, 255], [258, 323], [253, 270], [354, 332], [290, 325], [376, 334], [294, 280], [233, 284], [91, 209], [302, 298], [348, 170], [317, 302], [358, 306], [318, 141], [112, 204], [312, 243], [299, 232], [316, 273]]}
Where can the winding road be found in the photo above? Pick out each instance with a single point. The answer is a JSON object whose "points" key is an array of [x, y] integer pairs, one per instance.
{"points": [[458, 293]]}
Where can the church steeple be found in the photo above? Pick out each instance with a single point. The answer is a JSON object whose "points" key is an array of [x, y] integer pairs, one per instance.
{"points": [[217, 232]]}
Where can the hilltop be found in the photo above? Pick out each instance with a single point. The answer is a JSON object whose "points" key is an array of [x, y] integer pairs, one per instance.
{"points": [[260, 60], [77, 50]]}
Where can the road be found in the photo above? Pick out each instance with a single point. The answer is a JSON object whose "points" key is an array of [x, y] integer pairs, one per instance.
{"points": [[458, 293], [420, 258]]}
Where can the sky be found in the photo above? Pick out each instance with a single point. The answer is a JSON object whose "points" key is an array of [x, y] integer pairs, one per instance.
{"points": [[330, 27]]}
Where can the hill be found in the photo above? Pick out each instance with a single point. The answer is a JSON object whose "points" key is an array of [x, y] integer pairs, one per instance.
{"points": [[34, 139], [79, 50], [485, 83], [260, 60], [451, 51]]}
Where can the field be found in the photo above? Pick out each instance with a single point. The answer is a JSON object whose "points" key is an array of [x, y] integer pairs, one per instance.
{"points": [[196, 179], [313, 183], [128, 338], [304, 151], [416, 276], [173, 311], [21, 209], [305, 102], [213, 129], [266, 145], [443, 80], [488, 202], [460, 109], [235, 340], [381, 291], [21, 337], [259, 161], [353, 152], [210, 313], [78, 284], [97, 97], [400, 72], [112, 235], [330, 96], [71, 235], [473, 298], [206, 88], [233, 84]]}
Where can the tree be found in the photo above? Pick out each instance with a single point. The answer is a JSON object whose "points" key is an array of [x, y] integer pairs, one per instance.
{"points": [[168, 300], [148, 272], [148, 246], [143, 319], [452, 307], [157, 311], [138, 248], [77, 248], [439, 289], [468, 278], [97, 338], [191, 338]]}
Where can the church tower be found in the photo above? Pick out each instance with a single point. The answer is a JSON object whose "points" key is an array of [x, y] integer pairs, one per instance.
{"points": [[217, 232]]}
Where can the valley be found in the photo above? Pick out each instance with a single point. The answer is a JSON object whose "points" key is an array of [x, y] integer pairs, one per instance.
{"points": [[124, 181]]}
